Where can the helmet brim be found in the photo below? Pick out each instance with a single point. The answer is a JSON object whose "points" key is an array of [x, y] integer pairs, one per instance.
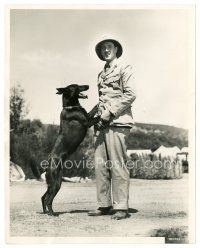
{"points": [[115, 42]]}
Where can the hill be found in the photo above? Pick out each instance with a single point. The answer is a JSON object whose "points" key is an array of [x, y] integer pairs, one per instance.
{"points": [[152, 136]]}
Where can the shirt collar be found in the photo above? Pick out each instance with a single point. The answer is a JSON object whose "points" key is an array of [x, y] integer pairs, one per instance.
{"points": [[113, 62]]}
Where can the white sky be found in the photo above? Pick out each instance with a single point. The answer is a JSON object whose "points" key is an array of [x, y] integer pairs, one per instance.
{"points": [[53, 48]]}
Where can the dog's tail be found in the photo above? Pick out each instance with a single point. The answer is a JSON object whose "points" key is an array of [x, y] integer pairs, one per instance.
{"points": [[34, 167]]}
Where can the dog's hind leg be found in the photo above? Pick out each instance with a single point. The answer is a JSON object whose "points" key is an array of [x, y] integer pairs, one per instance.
{"points": [[51, 198], [44, 201], [53, 190], [44, 207], [46, 194]]}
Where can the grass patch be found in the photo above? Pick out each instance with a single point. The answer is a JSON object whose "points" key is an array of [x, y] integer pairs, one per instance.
{"points": [[179, 214], [177, 235]]}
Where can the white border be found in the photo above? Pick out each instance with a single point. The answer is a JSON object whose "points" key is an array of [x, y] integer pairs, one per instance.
{"points": [[2, 70]]}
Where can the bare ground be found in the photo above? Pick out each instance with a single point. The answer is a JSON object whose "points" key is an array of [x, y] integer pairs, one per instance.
{"points": [[154, 205]]}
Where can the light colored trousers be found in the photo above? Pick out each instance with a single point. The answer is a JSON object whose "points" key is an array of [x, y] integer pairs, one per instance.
{"points": [[112, 174]]}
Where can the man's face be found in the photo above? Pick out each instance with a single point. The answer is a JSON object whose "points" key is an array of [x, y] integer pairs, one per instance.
{"points": [[108, 51]]}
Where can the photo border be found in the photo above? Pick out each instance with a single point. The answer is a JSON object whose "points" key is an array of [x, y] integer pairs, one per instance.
{"points": [[192, 189]]}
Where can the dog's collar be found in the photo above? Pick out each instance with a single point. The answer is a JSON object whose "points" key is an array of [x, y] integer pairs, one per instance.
{"points": [[72, 107]]}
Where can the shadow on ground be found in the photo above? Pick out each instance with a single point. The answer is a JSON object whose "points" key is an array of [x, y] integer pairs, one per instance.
{"points": [[76, 211]]}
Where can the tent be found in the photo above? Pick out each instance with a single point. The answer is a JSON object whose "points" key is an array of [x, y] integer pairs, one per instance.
{"points": [[167, 151], [185, 150], [183, 154], [139, 152]]}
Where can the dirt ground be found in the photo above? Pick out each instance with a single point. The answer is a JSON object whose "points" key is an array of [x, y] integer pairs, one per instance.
{"points": [[154, 204]]}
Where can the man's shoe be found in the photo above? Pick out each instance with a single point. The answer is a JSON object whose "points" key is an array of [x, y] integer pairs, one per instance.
{"points": [[120, 214], [101, 211]]}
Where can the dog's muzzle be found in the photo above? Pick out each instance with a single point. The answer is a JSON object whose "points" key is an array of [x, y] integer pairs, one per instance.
{"points": [[81, 95]]}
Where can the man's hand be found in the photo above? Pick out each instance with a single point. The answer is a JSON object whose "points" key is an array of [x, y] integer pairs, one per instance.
{"points": [[106, 115], [102, 124]]}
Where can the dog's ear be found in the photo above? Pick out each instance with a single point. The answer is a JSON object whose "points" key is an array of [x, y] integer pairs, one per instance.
{"points": [[60, 91]]}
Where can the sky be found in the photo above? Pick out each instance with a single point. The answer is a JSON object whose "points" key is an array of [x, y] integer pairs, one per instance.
{"points": [[54, 48]]}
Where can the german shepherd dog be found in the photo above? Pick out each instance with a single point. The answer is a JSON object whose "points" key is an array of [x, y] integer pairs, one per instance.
{"points": [[74, 122]]}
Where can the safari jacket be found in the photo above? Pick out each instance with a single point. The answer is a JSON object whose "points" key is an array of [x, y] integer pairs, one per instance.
{"points": [[117, 93]]}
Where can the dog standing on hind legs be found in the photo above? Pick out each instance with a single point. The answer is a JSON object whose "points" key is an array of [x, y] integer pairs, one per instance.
{"points": [[74, 122]]}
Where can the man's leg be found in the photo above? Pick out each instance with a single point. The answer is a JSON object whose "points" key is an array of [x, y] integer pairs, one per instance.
{"points": [[116, 140], [102, 175]]}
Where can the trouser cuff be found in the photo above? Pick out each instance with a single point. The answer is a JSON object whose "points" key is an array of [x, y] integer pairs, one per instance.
{"points": [[120, 206]]}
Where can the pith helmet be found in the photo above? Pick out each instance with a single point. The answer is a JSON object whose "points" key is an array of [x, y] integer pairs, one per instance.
{"points": [[115, 42]]}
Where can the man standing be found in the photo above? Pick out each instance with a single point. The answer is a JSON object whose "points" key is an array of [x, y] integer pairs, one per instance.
{"points": [[116, 94]]}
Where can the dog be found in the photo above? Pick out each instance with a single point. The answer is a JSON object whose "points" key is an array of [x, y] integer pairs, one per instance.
{"points": [[74, 122]]}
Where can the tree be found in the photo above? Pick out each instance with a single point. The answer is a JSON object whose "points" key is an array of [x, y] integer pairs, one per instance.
{"points": [[18, 108]]}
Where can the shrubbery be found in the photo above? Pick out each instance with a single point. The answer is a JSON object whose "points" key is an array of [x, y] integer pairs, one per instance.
{"points": [[154, 167], [33, 142]]}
